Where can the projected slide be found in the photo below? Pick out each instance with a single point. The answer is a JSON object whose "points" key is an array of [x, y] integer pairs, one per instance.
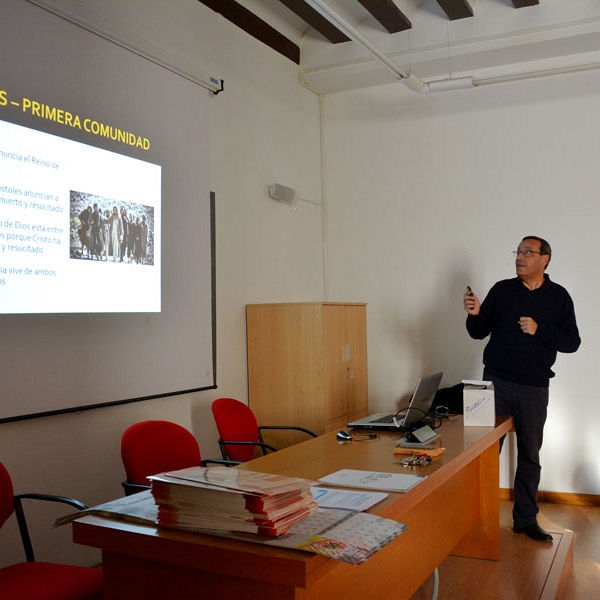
{"points": [[79, 227]]}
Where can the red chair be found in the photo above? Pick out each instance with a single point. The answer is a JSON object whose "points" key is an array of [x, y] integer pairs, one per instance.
{"points": [[41, 580], [152, 447], [239, 432]]}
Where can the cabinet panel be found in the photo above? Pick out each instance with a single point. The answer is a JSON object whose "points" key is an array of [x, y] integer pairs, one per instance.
{"points": [[336, 366], [307, 365], [356, 334], [285, 368]]}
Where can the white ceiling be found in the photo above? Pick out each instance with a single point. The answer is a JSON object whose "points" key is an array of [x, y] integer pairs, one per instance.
{"points": [[499, 40]]}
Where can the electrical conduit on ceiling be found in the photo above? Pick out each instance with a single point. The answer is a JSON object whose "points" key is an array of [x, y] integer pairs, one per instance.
{"points": [[406, 76], [441, 85]]}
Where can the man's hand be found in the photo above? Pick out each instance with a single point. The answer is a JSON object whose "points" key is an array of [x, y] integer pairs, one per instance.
{"points": [[471, 302], [528, 325]]}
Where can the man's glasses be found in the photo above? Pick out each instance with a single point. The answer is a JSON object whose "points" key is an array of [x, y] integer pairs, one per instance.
{"points": [[525, 253]]}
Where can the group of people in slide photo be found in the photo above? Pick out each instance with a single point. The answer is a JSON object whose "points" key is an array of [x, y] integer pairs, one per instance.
{"points": [[103, 231]]}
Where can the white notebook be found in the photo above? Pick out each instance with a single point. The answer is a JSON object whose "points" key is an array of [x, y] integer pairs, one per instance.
{"points": [[373, 480]]}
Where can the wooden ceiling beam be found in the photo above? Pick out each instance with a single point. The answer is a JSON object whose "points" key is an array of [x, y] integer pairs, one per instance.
{"points": [[456, 9], [255, 26], [316, 20], [385, 12], [388, 14], [523, 3]]}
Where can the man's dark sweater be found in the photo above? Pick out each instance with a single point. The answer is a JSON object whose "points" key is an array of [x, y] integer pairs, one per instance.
{"points": [[513, 355]]}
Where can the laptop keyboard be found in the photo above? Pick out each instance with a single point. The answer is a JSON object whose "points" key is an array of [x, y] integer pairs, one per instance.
{"points": [[384, 419]]}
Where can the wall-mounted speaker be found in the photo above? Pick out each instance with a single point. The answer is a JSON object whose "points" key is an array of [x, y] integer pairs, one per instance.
{"points": [[284, 194]]}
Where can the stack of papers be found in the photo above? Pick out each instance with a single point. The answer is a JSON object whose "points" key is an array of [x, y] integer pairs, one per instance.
{"points": [[346, 535], [221, 498]]}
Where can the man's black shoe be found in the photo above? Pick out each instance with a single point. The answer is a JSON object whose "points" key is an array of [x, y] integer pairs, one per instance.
{"points": [[535, 532]]}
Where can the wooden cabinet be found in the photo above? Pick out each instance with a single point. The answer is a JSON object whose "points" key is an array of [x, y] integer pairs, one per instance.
{"points": [[307, 366]]}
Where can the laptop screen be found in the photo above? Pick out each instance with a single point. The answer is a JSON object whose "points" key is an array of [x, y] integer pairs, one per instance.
{"points": [[421, 400]]}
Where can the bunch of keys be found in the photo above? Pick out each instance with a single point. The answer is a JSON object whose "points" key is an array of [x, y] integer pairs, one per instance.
{"points": [[420, 460]]}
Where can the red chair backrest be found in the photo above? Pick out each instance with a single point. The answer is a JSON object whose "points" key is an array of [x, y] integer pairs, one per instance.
{"points": [[6, 495], [151, 447], [236, 423]]}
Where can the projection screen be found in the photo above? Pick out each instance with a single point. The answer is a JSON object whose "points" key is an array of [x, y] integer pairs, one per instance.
{"points": [[106, 222]]}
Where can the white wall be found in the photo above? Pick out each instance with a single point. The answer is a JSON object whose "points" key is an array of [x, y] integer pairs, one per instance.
{"points": [[264, 129], [432, 193]]}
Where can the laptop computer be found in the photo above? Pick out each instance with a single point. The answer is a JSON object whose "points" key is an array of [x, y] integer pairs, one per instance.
{"points": [[405, 418]]}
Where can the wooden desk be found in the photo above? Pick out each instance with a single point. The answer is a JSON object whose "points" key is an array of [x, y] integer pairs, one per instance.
{"points": [[454, 511]]}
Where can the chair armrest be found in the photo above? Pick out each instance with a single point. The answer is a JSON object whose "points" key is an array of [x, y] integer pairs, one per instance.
{"points": [[21, 521], [262, 445], [219, 461], [134, 488], [307, 431]]}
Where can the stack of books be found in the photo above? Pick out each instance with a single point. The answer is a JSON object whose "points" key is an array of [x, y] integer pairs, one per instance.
{"points": [[226, 499]]}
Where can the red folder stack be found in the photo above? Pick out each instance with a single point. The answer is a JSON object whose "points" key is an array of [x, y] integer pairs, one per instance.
{"points": [[229, 499]]}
